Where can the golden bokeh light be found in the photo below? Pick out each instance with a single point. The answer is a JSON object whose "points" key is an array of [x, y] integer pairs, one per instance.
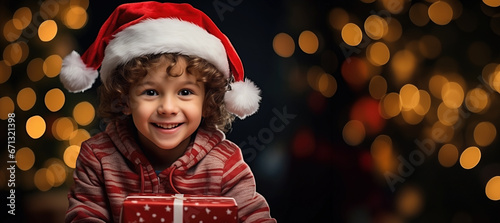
{"points": [[403, 64], [410, 97], [440, 12], [352, 34], [488, 73], [12, 54], [429, 46], [78, 136], [477, 100], [394, 6], [26, 98], [313, 75], [82, 3], [35, 126], [447, 116], [338, 18], [84, 112], [424, 104], [409, 201], [22, 18], [492, 188], [52, 65], [10, 32], [283, 45], [25, 158], [377, 87], [43, 178], [441, 133], [394, 30], [411, 117], [58, 170], [375, 27], [382, 153], [327, 85], [378, 53], [5, 72], [47, 30], [354, 132], [470, 157], [6, 108], [54, 99], [390, 105], [308, 42], [75, 17], [448, 155], [63, 128], [484, 133], [436, 84], [492, 3], [70, 155], [35, 69], [452, 94], [418, 14]]}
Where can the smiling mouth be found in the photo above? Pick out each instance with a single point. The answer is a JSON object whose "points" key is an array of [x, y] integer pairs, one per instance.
{"points": [[167, 126]]}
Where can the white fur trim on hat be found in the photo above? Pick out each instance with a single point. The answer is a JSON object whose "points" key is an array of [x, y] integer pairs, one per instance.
{"points": [[243, 98], [164, 35], [75, 75]]}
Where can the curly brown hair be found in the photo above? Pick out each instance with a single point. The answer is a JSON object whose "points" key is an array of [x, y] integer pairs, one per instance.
{"points": [[114, 91]]}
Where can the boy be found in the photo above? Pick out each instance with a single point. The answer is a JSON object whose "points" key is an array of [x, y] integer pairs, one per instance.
{"points": [[168, 93]]}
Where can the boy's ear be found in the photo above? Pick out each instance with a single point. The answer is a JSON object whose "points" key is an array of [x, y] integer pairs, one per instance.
{"points": [[126, 107]]}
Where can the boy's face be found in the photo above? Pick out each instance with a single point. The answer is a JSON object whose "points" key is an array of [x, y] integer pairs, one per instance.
{"points": [[166, 110]]}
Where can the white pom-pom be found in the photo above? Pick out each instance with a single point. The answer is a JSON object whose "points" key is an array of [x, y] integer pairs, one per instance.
{"points": [[75, 75], [243, 99]]}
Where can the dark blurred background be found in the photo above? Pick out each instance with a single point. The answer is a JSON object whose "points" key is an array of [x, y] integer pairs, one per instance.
{"points": [[372, 110]]}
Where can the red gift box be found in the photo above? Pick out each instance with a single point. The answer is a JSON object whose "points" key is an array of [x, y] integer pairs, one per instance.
{"points": [[178, 208]]}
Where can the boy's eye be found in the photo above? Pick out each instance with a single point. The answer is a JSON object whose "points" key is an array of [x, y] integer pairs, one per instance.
{"points": [[150, 92], [185, 92]]}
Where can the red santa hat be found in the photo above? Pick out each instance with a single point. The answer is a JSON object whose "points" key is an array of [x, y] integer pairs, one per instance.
{"points": [[137, 29]]}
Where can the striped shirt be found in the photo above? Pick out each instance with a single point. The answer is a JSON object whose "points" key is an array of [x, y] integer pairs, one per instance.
{"points": [[111, 165]]}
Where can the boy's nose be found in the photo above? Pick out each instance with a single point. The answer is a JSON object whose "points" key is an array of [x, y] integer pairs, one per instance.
{"points": [[168, 106]]}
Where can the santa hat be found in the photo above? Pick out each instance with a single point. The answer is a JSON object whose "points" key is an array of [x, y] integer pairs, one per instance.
{"points": [[137, 29]]}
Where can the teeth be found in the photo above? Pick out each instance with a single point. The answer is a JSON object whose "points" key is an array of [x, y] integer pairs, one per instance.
{"points": [[167, 126]]}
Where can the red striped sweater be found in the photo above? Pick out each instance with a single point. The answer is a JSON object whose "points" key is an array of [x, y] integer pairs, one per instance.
{"points": [[111, 165]]}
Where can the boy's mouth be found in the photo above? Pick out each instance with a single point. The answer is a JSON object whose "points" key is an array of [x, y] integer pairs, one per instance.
{"points": [[167, 126]]}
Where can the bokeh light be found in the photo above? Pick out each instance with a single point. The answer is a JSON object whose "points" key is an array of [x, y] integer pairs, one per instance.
{"points": [[424, 103], [395, 30], [84, 113], [410, 96], [43, 178], [338, 18], [352, 34], [378, 53], [78, 136], [26, 98], [440, 12], [484, 133], [477, 100], [375, 27], [52, 65], [58, 170], [25, 158], [492, 3], [390, 105], [10, 32], [418, 14], [12, 54], [470, 157], [403, 64], [6, 108], [382, 153], [446, 115], [308, 42], [35, 126], [22, 18], [409, 201], [70, 155], [452, 94], [35, 69], [355, 72], [354, 132], [54, 99], [63, 128], [75, 17], [436, 84], [377, 87], [448, 155], [5, 72], [366, 110], [283, 45], [47, 30], [327, 85], [492, 188]]}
